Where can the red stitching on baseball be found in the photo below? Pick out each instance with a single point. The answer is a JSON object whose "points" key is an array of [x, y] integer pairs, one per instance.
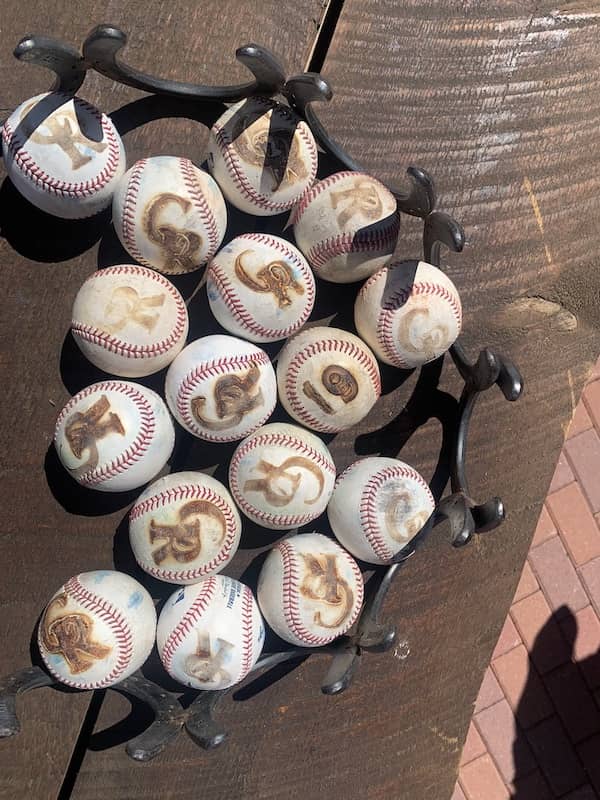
{"points": [[281, 440], [136, 449], [360, 355], [187, 492], [291, 599], [314, 191], [247, 631], [365, 241], [28, 165], [385, 319], [115, 621], [186, 624], [224, 142], [368, 508], [211, 369], [118, 346], [221, 282], [128, 222], [207, 217]]}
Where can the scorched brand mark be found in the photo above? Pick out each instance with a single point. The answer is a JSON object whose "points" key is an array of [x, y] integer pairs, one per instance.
{"points": [[322, 583], [127, 305], [276, 278], [362, 198], [83, 429], [179, 245], [279, 485], [234, 397], [70, 635], [206, 663], [183, 541]]}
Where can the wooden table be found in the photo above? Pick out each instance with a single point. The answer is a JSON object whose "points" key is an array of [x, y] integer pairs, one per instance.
{"points": [[500, 102]]}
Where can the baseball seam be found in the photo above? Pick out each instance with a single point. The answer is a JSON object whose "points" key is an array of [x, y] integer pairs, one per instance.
{"points": [[128, 221], [385, 318], [207, 216], [242, 184], [291, 602], [314, 191], [226, 289], [72, 190], [188, 493], [368, 507], [362, 358], [115, 345], [186, 624], [281, 440], [138, 447], [115, 621], [368, 241], [247, 632], [211, 369]]}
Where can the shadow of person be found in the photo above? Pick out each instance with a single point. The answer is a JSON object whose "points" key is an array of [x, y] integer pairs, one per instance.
{"points": [[557, 717]]}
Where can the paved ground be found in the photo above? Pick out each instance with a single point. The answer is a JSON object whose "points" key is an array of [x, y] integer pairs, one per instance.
{"points": [[535, 733]]}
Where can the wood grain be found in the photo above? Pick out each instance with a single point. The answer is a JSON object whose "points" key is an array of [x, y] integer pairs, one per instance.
{"points": [[500, 103], [49, 530]]}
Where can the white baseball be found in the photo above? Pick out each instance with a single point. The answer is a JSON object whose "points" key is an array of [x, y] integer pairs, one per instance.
{"points": [[347, 226], [114, 436], [220, 388], [262, 155], [129, 320], [63, 154], [377, 507], [328, 379], [260, 287], [281, 476], [310, 591], [169, 215], [210, 635], [409, 313], [184, 527], [97, 629]]}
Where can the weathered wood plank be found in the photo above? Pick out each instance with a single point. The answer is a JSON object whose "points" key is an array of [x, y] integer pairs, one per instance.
{"points": [[47, 533]]}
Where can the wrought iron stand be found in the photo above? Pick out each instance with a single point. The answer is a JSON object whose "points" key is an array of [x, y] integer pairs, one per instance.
{"points": [[466, 517]]}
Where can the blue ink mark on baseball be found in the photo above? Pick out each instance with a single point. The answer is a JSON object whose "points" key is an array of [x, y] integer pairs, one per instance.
{"points": [[135, 600], [261, 633], [100, 575], [180, 596], [212, 295], [56, 660]]}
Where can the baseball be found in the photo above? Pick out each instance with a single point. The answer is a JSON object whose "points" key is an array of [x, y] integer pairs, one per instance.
{"points": [[281, 476], [129, 320], [97, 629], [378, 505], [310, 591], [260, 287], [220, 388], [409, 313], [169, 215], [262, 155], [184, 527], [114, 436], [347, 226], [210, 635], [63, 155], [327, 378]]}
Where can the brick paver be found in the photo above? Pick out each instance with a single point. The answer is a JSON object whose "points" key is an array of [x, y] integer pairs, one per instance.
{"points": [[535, 733]]}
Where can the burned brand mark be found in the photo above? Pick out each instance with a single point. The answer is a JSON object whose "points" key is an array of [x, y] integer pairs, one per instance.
{"points": [[64, 132], [279, 484], [127, 305], [206, 663], [70, 635], [361, 198], [84, 429], [322, 583], [234, 397], [274, 148], [183, 541], [276, 278], [180, 246]]}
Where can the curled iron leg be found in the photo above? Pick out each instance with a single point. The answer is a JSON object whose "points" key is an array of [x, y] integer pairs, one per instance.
{"points": [[62, 59], [12, 685], [168, 717], [101, 48]]}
